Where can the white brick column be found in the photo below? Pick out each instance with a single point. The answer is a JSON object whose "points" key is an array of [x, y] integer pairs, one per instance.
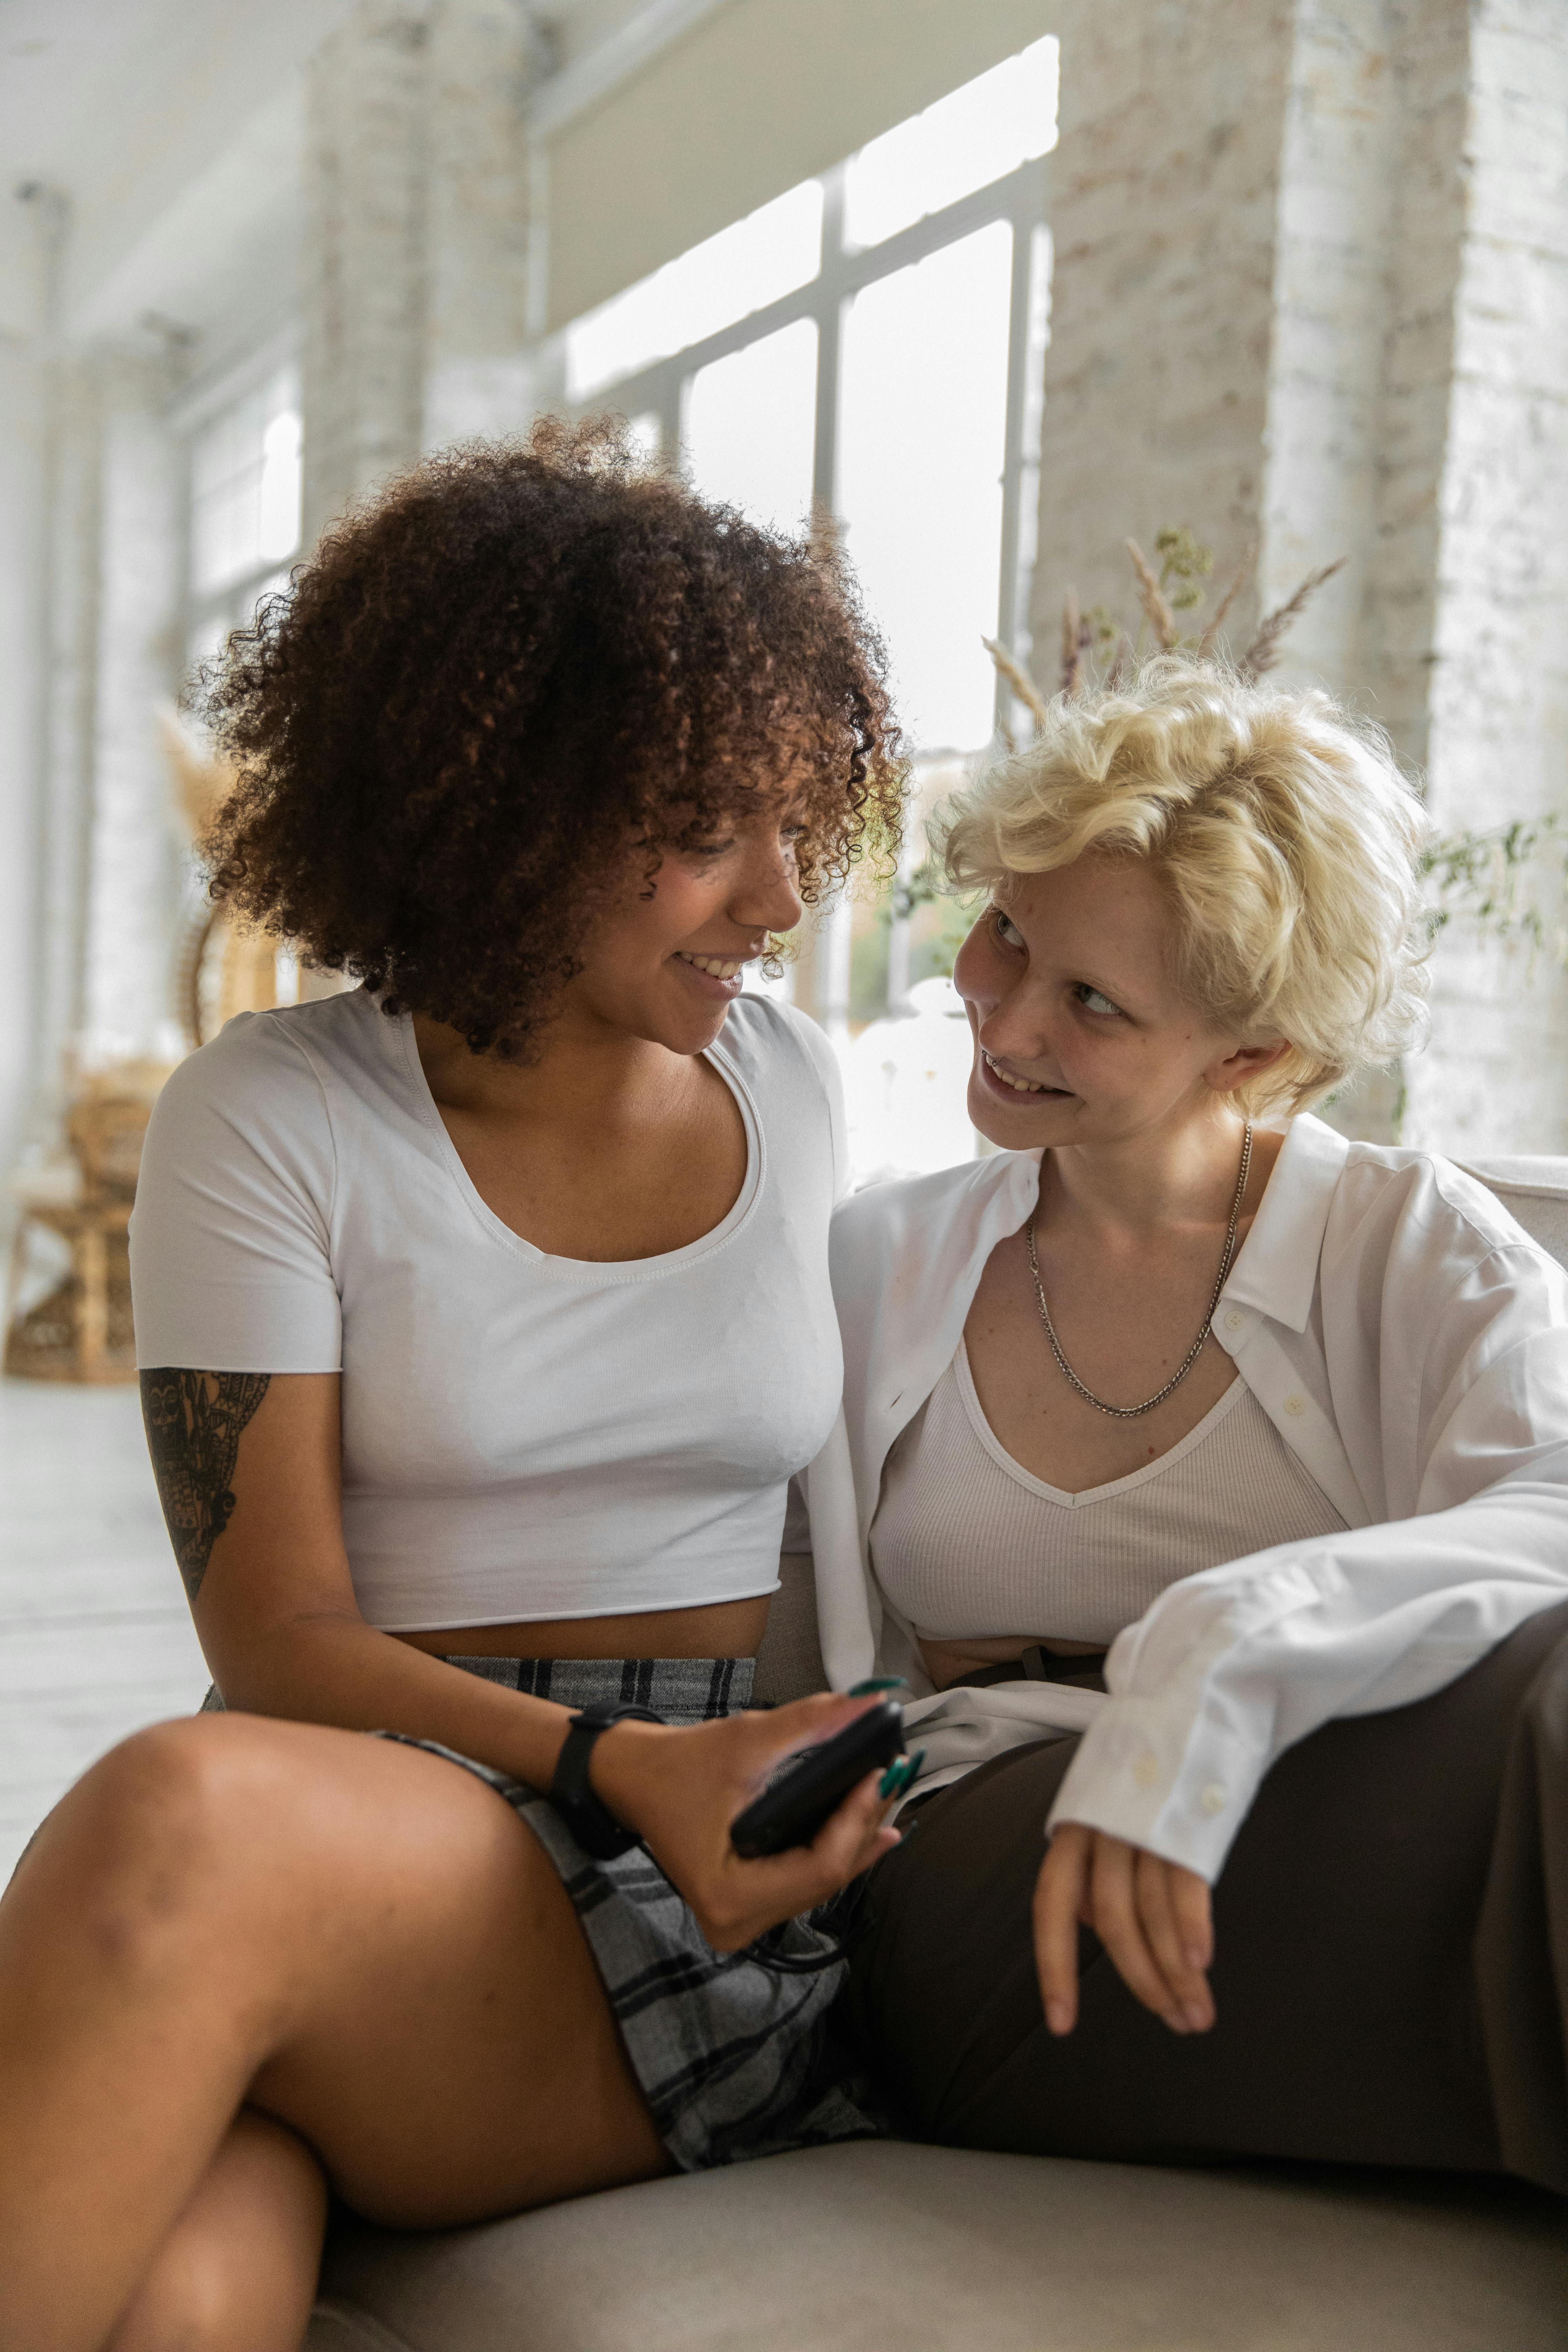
{"points": [[1163, 209], [1496, 1077], [133, 878], [1311, 285], [110, 654], [1336, 255], [416, 254], [68, 649], [1429, 64], [485, 56], [26, 475], [363, 267]]}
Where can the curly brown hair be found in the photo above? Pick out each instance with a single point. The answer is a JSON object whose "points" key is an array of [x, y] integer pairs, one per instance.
{"points": [[519, 665]]}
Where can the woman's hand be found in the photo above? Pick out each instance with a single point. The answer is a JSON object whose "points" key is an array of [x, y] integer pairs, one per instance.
{"points": [[1152, 1915], [681, 1789]]}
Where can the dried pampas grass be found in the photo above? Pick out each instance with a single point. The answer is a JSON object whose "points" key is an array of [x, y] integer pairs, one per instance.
{"points": [[1264, 651], [1162, 620]]}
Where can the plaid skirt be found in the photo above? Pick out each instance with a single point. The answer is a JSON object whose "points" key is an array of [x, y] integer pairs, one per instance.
{"points": [[736, 2052]]}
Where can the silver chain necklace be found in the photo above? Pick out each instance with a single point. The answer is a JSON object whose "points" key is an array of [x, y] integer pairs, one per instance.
{"points": [[1132, 1412]]}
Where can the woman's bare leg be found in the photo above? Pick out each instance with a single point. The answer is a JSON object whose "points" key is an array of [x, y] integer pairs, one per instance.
{"points": [[359, 1938], [237, 2271]]}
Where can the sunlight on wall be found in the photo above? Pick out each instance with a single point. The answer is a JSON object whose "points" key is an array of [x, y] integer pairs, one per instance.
{"points": [[744, 268], [966, 140]]}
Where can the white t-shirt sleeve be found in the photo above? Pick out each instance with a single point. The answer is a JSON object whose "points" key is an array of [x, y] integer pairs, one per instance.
{"points": [[819, 1051], [230, 1250]]}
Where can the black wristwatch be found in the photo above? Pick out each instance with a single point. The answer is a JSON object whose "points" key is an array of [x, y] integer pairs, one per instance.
{"points": [[571, 1793]]}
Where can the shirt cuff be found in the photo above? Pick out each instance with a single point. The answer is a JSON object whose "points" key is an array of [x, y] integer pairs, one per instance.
{"points": [[1144, 1771]]}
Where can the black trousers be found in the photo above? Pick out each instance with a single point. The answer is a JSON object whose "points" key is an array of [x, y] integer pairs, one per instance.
{"points": [[1391, 1968]]}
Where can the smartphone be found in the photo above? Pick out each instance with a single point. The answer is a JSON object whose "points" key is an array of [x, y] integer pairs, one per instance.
{"points": [[812, 1785]]}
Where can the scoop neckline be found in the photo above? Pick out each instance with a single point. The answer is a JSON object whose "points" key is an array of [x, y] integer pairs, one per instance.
{"points": [[593, 1269], [974, 1412]]}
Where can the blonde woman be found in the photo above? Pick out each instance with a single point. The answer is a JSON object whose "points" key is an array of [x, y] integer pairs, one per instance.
{"points": [[1185, 1426]]}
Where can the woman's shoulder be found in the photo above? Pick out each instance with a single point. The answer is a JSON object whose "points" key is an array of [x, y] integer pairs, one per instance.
{"points": [[787, 1066], [262, 1083], [232, 1234], [1416, 1230], [1424, 1194]]}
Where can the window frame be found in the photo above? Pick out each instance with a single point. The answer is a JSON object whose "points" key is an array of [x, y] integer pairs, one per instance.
{"points": [[661, 388], [194, 407]]}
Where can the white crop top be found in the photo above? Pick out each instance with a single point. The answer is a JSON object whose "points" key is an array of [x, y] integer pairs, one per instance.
{"points": [[524, 1437], [968, 1545]]}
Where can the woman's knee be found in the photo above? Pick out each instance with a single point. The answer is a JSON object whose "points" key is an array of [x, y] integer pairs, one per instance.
{"points": [[237, 2272], [153, 1837], [168, 1801], [194, 2301]]}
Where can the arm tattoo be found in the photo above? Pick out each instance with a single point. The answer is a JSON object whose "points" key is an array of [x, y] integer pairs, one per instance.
{"points": [[194, 1422]]}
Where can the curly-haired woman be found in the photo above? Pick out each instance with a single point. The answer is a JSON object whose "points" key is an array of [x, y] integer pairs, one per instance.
{"points": [[486, 1316], [1213, 1479]]}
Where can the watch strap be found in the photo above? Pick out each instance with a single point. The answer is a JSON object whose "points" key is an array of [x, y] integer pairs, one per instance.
{"points": [[571, 1793]]}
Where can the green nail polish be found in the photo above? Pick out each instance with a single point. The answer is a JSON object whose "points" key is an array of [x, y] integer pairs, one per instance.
{"points": [[899, 1773], [877, 1683]]}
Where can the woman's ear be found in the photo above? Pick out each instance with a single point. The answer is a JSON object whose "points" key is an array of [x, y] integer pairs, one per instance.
{"points": [[1247, 1062]]}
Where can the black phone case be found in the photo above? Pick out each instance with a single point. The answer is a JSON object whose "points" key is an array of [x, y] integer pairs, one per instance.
{"points": [[813, 1785]]}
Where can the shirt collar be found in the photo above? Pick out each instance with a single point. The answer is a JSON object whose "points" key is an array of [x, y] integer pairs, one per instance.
{"points": [[1276, 1267]]}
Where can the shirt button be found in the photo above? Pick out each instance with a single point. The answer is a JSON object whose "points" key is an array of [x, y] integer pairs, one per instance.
{"points": [[1146, 1771], [1212, 1799], [1234, 1321], [1295, 1404]]}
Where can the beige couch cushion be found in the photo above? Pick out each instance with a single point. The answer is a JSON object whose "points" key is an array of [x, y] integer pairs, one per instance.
{"points": [[859, 2247]]}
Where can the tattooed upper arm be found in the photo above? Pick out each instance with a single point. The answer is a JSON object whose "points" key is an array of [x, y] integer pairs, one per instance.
{"points": [[194, 1422]]}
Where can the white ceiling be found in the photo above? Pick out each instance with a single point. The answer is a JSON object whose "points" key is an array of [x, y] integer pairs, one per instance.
{"points": [[130, 107], [174, 128]]}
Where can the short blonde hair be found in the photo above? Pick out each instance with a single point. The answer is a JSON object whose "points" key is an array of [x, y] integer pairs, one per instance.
{"points": [[1279, 827]]}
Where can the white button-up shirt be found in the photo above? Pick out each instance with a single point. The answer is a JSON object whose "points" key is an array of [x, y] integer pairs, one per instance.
{"points": [[1410, 1343]]}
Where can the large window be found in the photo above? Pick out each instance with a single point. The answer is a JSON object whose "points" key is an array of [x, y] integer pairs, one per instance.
{"points": [[245, 503], [243, 436], [872, 342]]}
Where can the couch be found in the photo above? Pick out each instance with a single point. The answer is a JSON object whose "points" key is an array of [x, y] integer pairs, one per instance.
{"points": [[856, 2247]]}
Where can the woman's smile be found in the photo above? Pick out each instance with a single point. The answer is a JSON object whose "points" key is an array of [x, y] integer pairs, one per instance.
{"points": [[718, 977], [1010, 1082]]}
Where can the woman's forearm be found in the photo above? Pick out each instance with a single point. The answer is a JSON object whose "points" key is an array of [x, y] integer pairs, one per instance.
{"points": [[1232, 1665], [335, 1669]]}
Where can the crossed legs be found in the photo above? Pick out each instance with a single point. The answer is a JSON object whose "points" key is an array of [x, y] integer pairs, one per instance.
{"points": [[238, 2268], [244, 1958]]}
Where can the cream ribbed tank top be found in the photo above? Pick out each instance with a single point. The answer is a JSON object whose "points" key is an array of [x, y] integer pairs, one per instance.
{"points": [[967, 1544]]}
